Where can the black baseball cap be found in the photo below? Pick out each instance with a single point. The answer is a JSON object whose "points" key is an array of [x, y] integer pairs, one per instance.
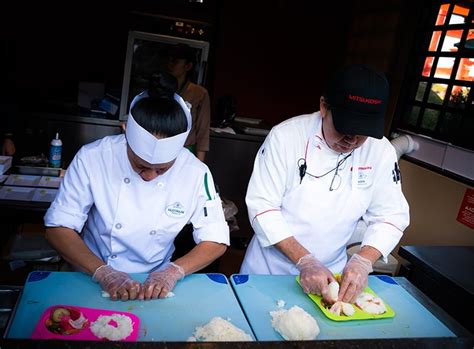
{"points": [[358, 96]]}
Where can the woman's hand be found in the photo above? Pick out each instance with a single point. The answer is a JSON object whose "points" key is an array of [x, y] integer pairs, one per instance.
{"points": [[160, 283], [118, 284]]}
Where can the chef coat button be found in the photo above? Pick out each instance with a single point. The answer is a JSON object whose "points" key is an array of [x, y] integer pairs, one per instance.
{"points": [[153, 232], [118, 226], [113, 256], [126, 180], [160, 185]]}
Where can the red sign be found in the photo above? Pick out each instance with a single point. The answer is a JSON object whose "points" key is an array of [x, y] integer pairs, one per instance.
{"points": [[466, 211]]}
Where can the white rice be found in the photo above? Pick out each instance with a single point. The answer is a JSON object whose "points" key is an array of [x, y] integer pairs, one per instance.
{"points": [[106, 294], [101, 328], [219, 330], [280, 303], [294, 324]]}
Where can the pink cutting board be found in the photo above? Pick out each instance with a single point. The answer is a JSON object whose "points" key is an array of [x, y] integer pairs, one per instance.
{"points": [[42, 332]]}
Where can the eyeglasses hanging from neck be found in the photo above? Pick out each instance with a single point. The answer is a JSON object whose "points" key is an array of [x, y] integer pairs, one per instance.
{"points": [[336, 179]]}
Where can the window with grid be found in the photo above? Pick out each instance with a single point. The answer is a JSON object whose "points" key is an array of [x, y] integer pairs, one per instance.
{"points": [[438, 100]]}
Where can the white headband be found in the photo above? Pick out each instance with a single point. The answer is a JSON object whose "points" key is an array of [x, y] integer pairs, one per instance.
{"points": [[147, 146]]}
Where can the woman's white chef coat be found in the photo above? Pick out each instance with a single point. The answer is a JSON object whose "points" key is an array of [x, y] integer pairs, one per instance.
{"points": [[280, 205], [129, 223]]}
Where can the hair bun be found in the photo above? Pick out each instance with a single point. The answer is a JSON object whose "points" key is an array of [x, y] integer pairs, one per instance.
{"points": [[162, 85]]}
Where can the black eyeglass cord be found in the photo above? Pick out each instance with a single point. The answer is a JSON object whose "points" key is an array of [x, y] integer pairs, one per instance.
{"points": [[302, 167]]}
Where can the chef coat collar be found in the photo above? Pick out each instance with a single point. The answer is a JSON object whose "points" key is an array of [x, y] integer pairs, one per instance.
{"points": [[318, 138]]}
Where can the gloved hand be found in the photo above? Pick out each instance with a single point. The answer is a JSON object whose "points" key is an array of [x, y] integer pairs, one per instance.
{"points": [[118, 284], [314, 276], [160, 282], [355, 278]]}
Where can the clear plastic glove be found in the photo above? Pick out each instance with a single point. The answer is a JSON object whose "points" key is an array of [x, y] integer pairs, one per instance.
{"points": [[314, 276], [118, 284], [160, 282], [355, 278]]}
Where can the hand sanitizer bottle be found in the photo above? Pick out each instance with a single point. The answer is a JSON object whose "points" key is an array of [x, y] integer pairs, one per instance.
{"points": [[55, 152]]}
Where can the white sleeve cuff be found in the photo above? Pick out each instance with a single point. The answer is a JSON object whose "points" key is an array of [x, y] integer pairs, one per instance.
{"points": [[209, 223], [382, 236], [215, 232], [270, 228], [57, 217]]}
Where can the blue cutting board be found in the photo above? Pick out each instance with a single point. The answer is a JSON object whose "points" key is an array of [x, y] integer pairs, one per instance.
{"points": [[258, 295], [198, 298]]}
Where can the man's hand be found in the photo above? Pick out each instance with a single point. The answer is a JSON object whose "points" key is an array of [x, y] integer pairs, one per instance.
{"points": [[160, 283], [355, 278], [118, 284], [314, 276]]}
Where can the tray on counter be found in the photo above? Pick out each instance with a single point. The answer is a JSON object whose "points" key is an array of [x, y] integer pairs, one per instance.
{"points": [[41, 171], [27, 193], [359, 314], [23, 180], [33, 181]]}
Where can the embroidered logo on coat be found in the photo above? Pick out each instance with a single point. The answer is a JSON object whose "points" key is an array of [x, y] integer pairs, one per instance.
{"points": [[175, 210]]}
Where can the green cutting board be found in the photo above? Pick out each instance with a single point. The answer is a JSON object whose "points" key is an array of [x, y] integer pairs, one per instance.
{"points": [[359, 313]]}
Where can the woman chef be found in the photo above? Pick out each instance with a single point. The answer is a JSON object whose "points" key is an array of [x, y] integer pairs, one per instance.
{"points": [[125, 198], [315, 176]]}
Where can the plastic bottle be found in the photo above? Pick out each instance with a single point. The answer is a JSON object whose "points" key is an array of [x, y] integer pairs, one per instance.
{"points": [[55, 152]]}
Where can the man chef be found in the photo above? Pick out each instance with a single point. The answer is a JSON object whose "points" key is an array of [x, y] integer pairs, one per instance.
{"points": [[315, 176]]}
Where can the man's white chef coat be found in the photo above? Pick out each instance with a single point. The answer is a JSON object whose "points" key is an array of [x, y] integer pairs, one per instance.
{"points": [[282, 205], [129, 223]]}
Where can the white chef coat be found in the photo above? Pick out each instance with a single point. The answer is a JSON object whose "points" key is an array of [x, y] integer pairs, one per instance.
{"points": [[321, 220], [129, 223]]}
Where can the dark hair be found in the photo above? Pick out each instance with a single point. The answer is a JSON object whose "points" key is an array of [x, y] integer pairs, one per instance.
{"points": [[183, 51], [160, 113]]}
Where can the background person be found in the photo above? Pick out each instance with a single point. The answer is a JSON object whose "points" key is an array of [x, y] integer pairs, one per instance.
{"points": [[181, 64]]}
